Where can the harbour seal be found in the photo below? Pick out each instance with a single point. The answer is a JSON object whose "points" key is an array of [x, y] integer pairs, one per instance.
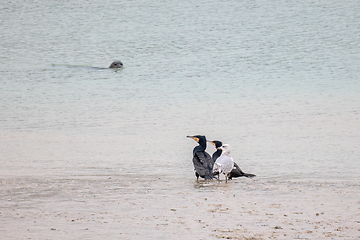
{"points": [[116, 64]]}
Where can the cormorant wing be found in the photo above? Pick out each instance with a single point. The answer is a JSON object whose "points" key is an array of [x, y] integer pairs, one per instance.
{"points": [[203, 164]]}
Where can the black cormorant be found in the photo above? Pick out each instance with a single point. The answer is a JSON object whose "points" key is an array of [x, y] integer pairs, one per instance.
{"points": [[236, 172], [202, 161]]}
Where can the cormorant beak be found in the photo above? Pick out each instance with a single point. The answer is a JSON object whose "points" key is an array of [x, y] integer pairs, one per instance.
{"points": [[195, 138]]}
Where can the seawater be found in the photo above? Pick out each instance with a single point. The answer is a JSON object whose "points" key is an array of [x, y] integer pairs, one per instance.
{"points": [[91, 153]]}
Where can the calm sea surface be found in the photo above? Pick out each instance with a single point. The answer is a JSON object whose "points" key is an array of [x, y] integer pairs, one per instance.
{"points": [[88, 153]]}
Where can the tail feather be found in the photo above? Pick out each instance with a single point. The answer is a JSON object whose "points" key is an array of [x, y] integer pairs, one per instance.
{"points": [[249, 175], [208, 177], [237, 172]]}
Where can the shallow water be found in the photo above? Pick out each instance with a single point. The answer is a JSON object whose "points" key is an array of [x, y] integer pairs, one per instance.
{"points": [[90, 153]]}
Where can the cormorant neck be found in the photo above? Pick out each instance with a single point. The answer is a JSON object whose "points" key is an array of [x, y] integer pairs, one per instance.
{"points": [[201, 147], [216, 154]]}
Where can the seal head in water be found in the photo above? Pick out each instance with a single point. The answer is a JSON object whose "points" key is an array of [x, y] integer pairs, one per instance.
{"points": [[116, 64]]}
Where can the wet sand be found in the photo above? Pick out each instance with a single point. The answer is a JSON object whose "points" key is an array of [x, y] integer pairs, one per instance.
{"points": [[114, 207]]}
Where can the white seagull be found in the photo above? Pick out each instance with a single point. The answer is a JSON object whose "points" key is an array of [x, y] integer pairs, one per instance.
{"points": [[225, 163]]}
